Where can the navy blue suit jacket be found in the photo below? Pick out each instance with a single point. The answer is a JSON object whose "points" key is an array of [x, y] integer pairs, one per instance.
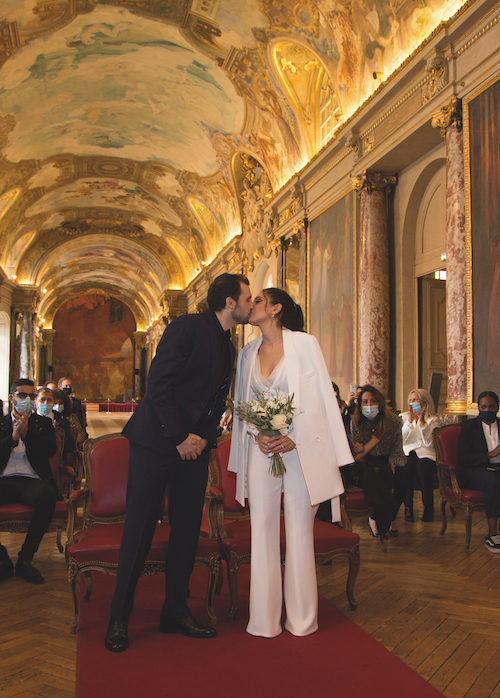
{"points": [[180, 385]]}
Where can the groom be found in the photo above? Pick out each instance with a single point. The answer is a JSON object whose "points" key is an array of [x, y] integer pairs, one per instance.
{"points": [[171, 434]]}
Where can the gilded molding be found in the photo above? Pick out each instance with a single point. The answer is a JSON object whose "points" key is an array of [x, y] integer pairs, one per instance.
{"points": [[373, 181], [449, 115], [458, 407]]}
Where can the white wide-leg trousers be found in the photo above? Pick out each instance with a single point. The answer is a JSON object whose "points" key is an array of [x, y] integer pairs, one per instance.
{"points": [[300, 586]]}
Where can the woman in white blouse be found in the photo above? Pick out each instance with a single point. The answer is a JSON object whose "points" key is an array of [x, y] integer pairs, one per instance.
{"points": [[418, 424], [290, 361]]}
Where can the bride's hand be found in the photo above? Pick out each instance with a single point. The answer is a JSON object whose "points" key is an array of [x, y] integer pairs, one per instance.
{"points": [[278, 444]]}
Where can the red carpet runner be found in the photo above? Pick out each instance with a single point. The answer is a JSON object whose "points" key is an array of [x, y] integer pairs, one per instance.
{"points": [[338, 660]]}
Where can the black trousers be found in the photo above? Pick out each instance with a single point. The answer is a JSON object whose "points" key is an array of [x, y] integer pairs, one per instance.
{"points": [[480, 478], [18, 489], [378, 481], [424, 469], [149, 473]]}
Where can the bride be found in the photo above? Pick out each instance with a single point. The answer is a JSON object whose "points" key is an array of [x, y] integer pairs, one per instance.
{"points": [[286, 359]]}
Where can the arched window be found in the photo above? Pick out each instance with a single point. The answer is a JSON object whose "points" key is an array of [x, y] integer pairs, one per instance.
{"points": [[4, 355]]}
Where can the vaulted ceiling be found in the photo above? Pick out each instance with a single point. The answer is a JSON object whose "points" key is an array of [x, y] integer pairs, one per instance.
{"points": [[125, 126]]}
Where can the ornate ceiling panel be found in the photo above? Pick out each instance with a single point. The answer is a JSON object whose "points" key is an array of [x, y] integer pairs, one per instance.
{"points": [[121, 121]]}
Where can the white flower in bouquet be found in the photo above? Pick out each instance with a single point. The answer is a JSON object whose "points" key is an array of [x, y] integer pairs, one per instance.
{"points": [[270, 415]]}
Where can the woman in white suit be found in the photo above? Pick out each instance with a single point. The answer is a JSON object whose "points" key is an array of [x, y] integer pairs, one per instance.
{"points": [[286, 359]]}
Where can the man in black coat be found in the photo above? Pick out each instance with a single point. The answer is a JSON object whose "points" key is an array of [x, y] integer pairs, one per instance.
{"points": [[478, 453], [27, 441], [171, 434]]}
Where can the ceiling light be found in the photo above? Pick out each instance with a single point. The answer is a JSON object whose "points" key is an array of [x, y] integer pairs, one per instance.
{"points": [[14, 276], [44, 290]]}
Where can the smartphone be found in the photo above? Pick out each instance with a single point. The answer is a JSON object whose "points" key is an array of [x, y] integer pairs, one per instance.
{"points": [[352, 388]]}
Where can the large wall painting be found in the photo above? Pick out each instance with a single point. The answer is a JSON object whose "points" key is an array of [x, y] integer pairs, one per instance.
{"points": [[332, 289], [482, 160]]}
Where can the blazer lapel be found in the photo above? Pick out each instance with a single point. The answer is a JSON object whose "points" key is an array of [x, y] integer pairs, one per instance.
{"points": [[292, 367], [250, 358]]}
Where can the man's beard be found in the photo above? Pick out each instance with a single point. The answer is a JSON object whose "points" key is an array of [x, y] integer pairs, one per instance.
{"points": [[238, 317]]}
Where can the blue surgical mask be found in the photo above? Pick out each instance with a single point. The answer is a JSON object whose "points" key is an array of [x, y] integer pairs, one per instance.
{"points": [[57, 408], [417, 408], [370, 411], [44, 408], [25, 405], [487, 415]]}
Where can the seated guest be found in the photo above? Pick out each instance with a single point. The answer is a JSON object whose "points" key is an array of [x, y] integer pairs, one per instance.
{"points": [[65, 417], [479, 458], [64, 384], [45, 406], [27, 441], [377, 444], [418, 424]]}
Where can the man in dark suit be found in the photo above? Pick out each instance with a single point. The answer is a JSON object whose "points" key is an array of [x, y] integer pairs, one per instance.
{"points": [[479, 457], [64, 384], [27, 441], [171, 434]]}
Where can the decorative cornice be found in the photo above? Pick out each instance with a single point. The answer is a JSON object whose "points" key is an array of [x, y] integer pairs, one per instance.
{"points": [[371, 181], [449, 115], [437, 76]]}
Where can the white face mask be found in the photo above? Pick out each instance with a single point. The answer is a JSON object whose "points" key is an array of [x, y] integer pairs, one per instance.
{"points": [[57, 408], [370, 411]]}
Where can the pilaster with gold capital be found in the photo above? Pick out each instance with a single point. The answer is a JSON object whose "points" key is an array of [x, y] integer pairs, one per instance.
{"points": [[449, 121], [374, 311]]}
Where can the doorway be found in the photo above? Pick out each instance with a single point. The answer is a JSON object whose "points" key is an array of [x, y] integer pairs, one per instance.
{"points": [[433, 354]]}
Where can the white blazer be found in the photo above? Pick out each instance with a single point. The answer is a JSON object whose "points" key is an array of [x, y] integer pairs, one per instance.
{"points": [[318, 429]]}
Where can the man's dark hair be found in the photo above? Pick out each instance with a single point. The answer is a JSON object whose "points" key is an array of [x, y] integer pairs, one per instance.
{"points": [[23, 381], [224, 286], [64, 378]]}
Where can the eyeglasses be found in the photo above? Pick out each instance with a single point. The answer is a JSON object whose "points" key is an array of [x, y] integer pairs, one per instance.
{"points": [[25, 395]]}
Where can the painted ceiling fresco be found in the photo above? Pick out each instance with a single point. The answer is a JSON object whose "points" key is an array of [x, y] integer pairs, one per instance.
{"points": [[121, 121]]}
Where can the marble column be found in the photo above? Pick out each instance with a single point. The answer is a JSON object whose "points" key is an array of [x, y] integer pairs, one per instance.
{"points": [[24, 339], [140, 343], [449, 121], [374, 311]]}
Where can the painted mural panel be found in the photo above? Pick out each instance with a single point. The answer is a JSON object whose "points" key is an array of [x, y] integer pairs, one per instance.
{"points": [[484, 156], [332, 289], [93, 346]]}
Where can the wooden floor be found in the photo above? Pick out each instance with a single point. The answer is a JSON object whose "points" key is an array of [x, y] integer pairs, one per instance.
{"points": [[427, 599]]}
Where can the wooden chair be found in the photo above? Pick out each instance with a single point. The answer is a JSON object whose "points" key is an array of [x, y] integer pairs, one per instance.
{"points": [[230, 524], [15, 518], [354, 505], [446, 442], [96, 546]]}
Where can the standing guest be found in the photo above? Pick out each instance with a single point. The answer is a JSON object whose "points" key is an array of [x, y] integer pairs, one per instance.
{"points": [[286, 359], [64, 384], [479, 458], [418, 424], [27, 441], [377, 444], [171, 434], [65, 417]]}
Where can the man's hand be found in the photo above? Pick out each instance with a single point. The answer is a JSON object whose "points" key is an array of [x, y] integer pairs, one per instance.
{"points": [[21, 419], [192, 447]]}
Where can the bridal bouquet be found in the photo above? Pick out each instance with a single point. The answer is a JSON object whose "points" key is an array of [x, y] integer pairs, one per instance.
{"points": [[270, 415]]}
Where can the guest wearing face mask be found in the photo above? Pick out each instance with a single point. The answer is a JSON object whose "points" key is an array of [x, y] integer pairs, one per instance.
{"points": [[418, 424], [45, 406], [479, 458], [27, 441], [64, 384], [64, 415], [377, 444]]}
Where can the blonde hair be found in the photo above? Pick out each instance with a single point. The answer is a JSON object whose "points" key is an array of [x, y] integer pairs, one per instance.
{"points": [[426, 397]]}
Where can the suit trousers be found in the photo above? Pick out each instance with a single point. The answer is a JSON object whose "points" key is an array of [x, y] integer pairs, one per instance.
{"points": [[480, 478], [149, 473], [300, 584], [18, 489]]}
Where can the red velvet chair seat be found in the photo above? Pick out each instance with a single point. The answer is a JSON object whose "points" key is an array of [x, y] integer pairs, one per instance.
{"points": [[97, 546], [474, 497]]}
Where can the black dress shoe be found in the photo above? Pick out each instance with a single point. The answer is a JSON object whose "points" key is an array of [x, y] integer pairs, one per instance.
{"points": [[6, 568], [26, 569], [428, 516], [116, 639], [186, 626], [409, 515]]}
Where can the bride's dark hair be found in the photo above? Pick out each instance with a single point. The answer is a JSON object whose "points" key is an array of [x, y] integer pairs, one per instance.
{"points": [[290, 316]]}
